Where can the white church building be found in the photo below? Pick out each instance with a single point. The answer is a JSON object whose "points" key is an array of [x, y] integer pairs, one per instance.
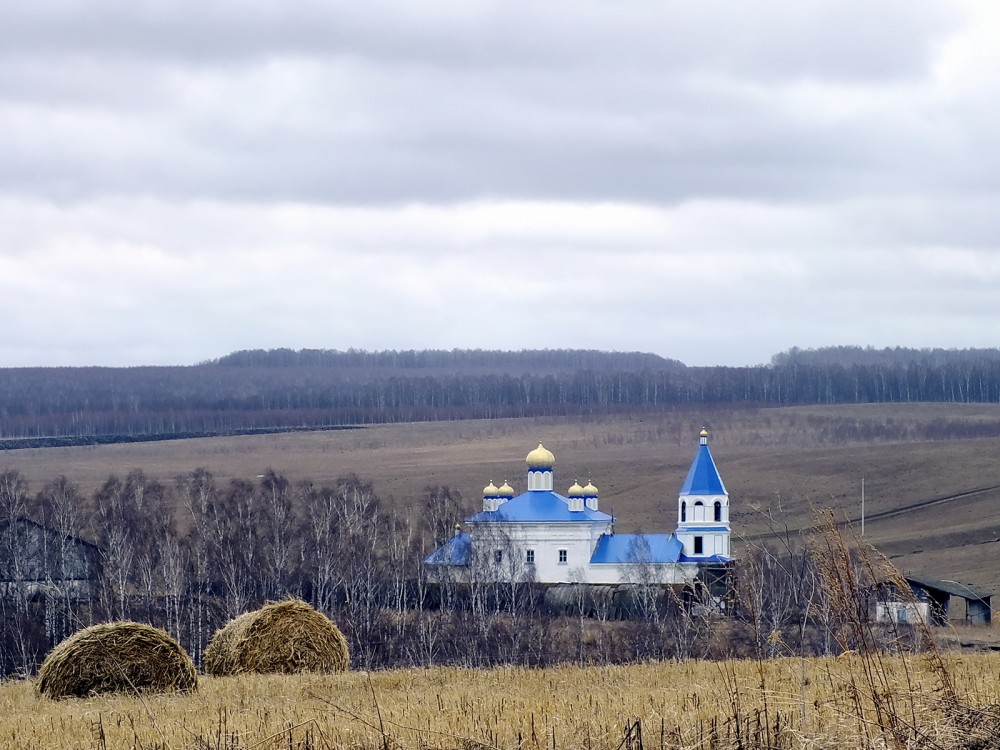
{"points": [[546, 537]]}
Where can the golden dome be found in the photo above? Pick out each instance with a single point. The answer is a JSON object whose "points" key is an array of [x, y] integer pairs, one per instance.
{"points": [[540, 458], [505, 490], [575, 491], [490, 490], [590, 490], [704, 432]]}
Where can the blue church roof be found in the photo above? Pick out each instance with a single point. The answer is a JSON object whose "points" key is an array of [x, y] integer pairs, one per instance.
{"points": [[709, 559], [538, 506], [703, 478], [637, 548], [456, 551]]}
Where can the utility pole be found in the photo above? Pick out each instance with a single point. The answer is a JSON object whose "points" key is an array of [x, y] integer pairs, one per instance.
{"points": [[862, 506]]}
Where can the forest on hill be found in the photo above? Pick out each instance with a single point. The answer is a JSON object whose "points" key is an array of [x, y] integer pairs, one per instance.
{"points": [[258, 391]]}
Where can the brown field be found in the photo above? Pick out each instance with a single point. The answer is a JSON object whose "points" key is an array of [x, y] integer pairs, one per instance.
{"points": [[803, 703], [786, 459]]}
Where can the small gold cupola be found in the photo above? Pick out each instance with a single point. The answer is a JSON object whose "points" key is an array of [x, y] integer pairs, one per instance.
{"points": [[575, 495], [491, 500]]}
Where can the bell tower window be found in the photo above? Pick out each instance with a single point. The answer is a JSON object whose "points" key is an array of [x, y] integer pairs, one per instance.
{"points": [[699, 545], [718, 511]]}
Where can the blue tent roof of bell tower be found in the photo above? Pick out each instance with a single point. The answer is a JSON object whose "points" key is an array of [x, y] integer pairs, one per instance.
{"points": [[703, 478]]}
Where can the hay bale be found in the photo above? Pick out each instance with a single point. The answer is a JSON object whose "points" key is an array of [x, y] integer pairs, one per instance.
{"points": [[287, 637], [116, 657]]}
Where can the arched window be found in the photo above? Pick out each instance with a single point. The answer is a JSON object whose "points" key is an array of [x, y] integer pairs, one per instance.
{"points": [[718, 511], [684, 511], [699, 511]]}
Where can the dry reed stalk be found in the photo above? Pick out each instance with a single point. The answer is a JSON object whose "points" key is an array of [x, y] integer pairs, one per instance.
{"points": [[888, 708]]}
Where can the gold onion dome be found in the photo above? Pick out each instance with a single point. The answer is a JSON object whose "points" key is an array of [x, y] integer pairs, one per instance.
{"points": [[704, 432], [505, 490], [540, 458], [490, 490], [576, 490], [590, 490]]}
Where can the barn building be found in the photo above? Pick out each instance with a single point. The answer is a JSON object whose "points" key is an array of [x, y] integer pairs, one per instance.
{"points": [[38, 562], [543, 536], [929, 600]]}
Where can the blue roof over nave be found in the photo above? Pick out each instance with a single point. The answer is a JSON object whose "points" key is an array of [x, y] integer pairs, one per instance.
{"points": [[703, 478], [637, 548], [539, 506]]}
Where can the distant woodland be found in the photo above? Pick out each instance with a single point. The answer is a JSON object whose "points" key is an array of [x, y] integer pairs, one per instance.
{"points": [[282, 389]]}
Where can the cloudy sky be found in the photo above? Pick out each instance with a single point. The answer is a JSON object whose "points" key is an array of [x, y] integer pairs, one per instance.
{"points": [[711, 181]]}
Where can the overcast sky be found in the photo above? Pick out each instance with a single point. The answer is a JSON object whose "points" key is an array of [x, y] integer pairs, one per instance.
{"points": [[711, 181]]}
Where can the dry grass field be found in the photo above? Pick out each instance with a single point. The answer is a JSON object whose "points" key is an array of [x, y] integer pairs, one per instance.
{"points": [[789, 703], [786, 459]]}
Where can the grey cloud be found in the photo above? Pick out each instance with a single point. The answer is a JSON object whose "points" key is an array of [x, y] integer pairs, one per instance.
{"points": [[846, 39], [388, 103], [439, 139], [711, 181]]}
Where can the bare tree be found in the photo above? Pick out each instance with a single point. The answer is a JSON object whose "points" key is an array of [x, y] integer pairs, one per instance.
{"points": [[440, 509], [114, 528], [198, 496], [319, 555], [62, 504], [15, 570], [152, 522], [647, 591], [361, 536], [276, 533], [232, 537]]}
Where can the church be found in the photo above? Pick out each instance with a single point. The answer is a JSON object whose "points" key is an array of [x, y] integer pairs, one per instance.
{"points": [[543, 536]]}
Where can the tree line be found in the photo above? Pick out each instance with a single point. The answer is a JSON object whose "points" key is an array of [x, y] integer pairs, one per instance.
{"points": [[257, 391], [535, 360], [189, 555]]}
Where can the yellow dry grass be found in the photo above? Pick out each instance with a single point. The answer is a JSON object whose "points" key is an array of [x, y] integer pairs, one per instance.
{"points": [[812, 700]]}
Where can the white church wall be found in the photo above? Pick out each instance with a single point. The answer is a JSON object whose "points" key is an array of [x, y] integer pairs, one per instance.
{"points": [[618, 573], [547, 542]]}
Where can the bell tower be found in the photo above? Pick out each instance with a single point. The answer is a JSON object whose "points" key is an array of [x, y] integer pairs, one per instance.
{"points": [[703, 509]]}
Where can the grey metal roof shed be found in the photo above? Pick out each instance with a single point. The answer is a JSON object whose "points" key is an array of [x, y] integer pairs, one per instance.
{"points": [[938, 592]]}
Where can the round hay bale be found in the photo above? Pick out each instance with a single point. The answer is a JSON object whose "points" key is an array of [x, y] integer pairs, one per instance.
{"points": [[286, 637], [116, 657]]}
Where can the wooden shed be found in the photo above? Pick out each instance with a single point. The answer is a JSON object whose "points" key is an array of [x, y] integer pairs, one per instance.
{"points": [[938, 593]]}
